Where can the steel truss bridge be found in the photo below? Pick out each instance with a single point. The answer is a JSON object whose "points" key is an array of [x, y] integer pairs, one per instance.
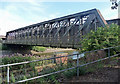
{"points": [[60, 32]]}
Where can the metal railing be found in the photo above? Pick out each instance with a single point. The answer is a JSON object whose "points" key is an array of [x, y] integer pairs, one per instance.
{"points": [[54, 58]]}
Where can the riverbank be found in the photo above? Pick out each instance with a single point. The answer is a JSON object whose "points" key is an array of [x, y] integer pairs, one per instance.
{"points": [[53, 50], [48, 51]]}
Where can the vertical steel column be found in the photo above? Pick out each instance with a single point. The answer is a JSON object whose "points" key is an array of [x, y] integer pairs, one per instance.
{"points": [[18, 36], [59, 37], [30, 39], [36, 29], [108, 52], [95, 25], [27, 36], [31, 36], [43, 34], [23, 36], [38, 35], [77, 65], [68, 36]]}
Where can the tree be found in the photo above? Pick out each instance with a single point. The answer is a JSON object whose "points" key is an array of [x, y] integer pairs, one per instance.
{"points": [[108, 36], [114, 4]]}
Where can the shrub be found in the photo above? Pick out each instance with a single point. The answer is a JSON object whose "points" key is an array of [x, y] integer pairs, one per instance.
{"points": [[3, 47], [17, 59], [102, 38]]}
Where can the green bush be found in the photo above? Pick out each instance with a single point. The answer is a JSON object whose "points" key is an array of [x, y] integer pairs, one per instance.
{"points": [[3, 47], [17, 59], [102, 38], [38, 48]]}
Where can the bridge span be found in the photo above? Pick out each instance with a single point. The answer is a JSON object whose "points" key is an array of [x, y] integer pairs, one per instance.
{"points": [[60, 32]]}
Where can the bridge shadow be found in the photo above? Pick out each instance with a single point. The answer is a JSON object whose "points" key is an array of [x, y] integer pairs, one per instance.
{"points": [[11, 49]]}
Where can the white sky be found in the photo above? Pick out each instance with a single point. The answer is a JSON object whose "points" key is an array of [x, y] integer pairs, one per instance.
{"points": [[18, 14]]}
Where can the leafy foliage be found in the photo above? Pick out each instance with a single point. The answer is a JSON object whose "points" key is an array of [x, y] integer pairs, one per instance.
{"points": [[17, 59], [13, 78], [102, 38], [3, 47]]}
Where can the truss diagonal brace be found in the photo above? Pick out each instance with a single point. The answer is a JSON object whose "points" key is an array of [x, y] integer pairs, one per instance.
{"points": [[76, 20], [87, 23], [52, 29], [60, 28]]}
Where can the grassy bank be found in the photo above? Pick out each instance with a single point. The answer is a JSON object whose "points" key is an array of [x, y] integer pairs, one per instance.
{"points": [[43, 67], [38, 48]]}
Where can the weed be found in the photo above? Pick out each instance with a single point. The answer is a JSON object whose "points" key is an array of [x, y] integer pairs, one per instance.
{"points": [[12, 78]]}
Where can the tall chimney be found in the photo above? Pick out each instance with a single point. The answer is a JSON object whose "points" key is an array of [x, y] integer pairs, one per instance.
{"points": [[119, 9]]}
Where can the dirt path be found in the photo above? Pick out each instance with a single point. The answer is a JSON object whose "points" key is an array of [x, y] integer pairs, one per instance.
{"points": [[105, 74]]}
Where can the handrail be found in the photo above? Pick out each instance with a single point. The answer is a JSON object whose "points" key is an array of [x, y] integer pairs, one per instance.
{"points": [[54, 57], [68, 69], [77, 64]]}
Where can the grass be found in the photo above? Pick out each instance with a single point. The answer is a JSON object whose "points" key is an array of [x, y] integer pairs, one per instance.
{"points": [[38, 48], [69, 51], [38, 54], [52, 53]]}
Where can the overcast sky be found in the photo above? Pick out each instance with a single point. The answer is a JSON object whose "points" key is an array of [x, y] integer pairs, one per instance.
{"points": [[19, 13]]}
